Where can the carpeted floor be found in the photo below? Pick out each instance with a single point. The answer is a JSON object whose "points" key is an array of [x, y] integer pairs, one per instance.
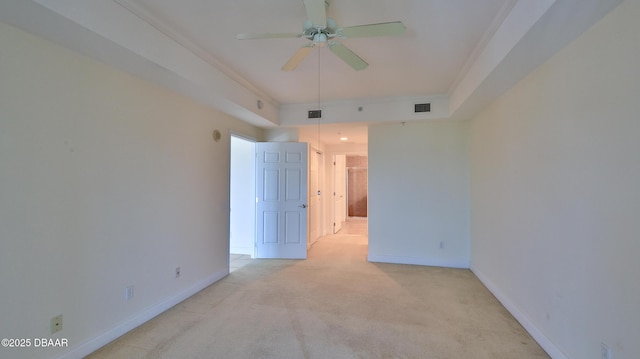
{"points": [[334, 305]]}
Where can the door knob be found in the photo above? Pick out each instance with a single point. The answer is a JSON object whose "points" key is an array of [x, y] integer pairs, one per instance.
{"points": [[303, 206]]}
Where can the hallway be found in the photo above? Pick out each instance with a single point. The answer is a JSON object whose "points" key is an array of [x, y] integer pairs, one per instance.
{"points": [[355, 225], [349, 244]]}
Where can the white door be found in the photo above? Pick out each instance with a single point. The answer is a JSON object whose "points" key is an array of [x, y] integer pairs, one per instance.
{"points": [[339, 191], [315, 202], [281, 181]]}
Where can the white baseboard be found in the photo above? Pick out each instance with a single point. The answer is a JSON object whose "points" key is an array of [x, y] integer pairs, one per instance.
{"points": [[95, 343], [528, 325], [241, 250], [418, 261]]}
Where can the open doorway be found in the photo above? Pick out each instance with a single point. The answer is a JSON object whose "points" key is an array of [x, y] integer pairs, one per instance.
{"points": [[357, 187], [350, 207], [242, 222]]}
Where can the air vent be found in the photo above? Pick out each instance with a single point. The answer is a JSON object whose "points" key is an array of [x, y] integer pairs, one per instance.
{"points": [[422, 107], [315, 113]]}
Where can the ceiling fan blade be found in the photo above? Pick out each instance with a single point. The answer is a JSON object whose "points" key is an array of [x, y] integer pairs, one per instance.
{"points": [[383, 29], [267, 36], [297, 58], [316, 12], [348, 56]]}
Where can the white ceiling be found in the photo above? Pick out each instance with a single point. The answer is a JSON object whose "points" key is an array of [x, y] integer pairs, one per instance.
{"points": [[441, 35], [456, 54]]}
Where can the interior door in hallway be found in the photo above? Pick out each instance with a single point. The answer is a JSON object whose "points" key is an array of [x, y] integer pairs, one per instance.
{"points": [[315, 193], [339, 191], [281, 180]]}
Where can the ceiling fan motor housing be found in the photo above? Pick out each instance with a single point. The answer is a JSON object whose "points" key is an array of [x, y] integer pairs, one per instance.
{"points": [[311, 32], [320, 39]]}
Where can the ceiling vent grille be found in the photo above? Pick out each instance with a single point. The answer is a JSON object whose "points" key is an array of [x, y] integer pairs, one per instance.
{"points": [[315, 114], [422, 107]]}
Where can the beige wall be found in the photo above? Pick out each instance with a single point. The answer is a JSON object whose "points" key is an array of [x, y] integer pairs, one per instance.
{"points": [[555, 168], [106, 181], [419, 193]]}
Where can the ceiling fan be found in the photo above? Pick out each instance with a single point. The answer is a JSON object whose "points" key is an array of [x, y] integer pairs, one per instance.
{"points": [[322, 31]]}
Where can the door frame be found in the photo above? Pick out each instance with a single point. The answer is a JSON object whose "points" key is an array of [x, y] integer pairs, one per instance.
{"points": [[242, 204]]}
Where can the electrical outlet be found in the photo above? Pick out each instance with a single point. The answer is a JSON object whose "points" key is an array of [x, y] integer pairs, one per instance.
{"points": [[177, 272], [605, 352], [56, 324], [128, 292]]}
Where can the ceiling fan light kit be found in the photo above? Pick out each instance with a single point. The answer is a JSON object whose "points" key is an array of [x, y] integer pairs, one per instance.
{"points": [[322, 31]]}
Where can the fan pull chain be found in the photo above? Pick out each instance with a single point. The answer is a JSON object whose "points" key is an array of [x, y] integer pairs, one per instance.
{"points": [[318, 139]]}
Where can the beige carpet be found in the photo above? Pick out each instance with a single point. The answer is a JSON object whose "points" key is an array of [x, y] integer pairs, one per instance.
{"points": [[333, 305]]}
